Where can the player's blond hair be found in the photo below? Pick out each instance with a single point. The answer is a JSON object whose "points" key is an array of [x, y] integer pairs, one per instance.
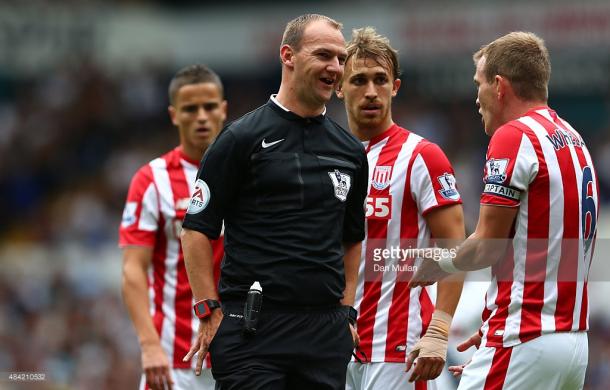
{"points": [[523, 59], [366, 43]]}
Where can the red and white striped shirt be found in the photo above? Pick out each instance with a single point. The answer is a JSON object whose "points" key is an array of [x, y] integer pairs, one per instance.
{"points": [[157, 200], [540, 164], [408, 177]]}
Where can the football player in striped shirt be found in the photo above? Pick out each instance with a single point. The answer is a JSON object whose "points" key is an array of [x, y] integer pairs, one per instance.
{"points": [[536, 229], [155, 284], [412, 197]]}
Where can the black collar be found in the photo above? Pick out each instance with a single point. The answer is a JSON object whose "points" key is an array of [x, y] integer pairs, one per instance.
{"points": [[292, 116]]}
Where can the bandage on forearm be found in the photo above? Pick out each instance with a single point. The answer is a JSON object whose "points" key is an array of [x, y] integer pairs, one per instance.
{"points": [[446, 264], [434, 342]]}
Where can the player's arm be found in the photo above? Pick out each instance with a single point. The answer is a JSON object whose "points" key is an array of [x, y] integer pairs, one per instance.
{"points": [[482, 249], [136, 261], [447, 225], [488, 243], [511, 166]]}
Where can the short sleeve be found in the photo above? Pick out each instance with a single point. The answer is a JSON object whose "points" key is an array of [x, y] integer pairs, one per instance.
{"points": [[216, 186], [511, 166], [140, 220], [353, 223], [432, 180]]}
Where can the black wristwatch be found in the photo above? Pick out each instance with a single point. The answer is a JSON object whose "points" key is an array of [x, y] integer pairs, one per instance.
{"points": [[203, 309], [352, 315]]}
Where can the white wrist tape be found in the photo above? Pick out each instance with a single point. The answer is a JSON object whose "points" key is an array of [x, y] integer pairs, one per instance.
{"points": [[434, 342], [446, 263]]}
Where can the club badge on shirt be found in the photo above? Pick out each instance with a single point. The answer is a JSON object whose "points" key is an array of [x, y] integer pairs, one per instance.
{"points": [[342, 183], [381, 177], [200, 199]]}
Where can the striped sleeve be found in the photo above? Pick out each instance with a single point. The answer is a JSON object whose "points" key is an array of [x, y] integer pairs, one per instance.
{"points": [[140, 220], [433, 182], [512, 164]]}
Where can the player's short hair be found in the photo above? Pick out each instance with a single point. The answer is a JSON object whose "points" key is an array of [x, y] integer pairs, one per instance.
{"points": [[366, 43], [523, 59], [193, 74], [293, 33]]}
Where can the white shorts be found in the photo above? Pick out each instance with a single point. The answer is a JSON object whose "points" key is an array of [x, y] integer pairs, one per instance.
{"points": [[551, 361], [382, 376], [185, 378]]}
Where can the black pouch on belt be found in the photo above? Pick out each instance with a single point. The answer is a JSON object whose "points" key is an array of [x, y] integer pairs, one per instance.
{"points": [[252, 309]]}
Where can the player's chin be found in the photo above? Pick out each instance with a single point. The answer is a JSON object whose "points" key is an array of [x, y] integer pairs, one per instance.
{"points": [[487, 126], [203, 143], [369, 119], [489, 129]]}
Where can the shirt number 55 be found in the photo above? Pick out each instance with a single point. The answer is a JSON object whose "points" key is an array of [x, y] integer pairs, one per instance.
{"points": [[379, 207]]}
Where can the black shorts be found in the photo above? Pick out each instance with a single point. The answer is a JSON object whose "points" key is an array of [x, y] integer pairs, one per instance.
{"points": [[292, 349]]}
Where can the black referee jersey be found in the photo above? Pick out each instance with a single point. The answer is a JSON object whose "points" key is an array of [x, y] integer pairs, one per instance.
{"points": [[290, 190]]}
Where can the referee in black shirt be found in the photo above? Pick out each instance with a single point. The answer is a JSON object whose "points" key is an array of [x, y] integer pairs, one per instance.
{"points": [[290, 185]]}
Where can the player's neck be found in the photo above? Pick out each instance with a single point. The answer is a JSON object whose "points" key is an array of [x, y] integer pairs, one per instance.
{"points": [[192, 153], [519, 108], [366, 132]]}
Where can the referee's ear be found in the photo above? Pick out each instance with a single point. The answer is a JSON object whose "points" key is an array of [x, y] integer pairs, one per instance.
{"points": [[287, 56]]}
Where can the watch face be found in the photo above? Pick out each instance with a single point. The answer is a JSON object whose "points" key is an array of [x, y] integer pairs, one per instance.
{"points": [[202, 310]]}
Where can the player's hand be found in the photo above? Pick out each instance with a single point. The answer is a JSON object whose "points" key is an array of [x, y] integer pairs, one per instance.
{"points": [[431, 350], [427, 273], [426, 368], [156, 367], [355, 336], [457, 370], [473, 341], [207, 331]]}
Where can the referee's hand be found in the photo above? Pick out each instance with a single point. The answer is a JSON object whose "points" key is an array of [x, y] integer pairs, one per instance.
{"points": [[207, 331], [355, 336]]}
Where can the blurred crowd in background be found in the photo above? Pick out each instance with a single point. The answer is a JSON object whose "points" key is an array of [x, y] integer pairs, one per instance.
{"points": [[72, 136]]}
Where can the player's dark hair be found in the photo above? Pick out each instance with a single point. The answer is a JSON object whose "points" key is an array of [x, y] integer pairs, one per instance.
{"points": [[193, 74]]}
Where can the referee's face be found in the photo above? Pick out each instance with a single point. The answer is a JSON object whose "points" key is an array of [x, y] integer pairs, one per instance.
{"points": [[318, 64]]}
